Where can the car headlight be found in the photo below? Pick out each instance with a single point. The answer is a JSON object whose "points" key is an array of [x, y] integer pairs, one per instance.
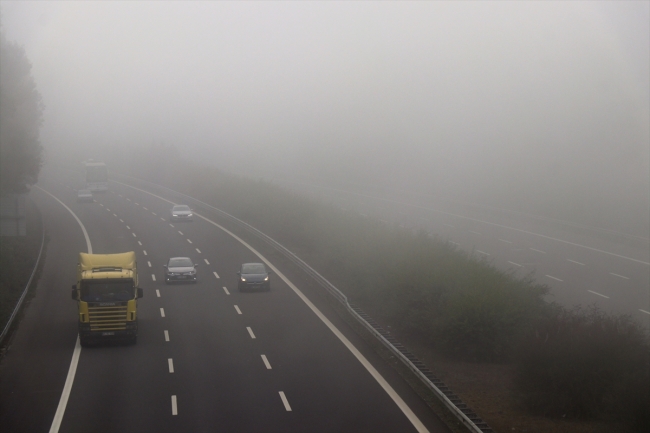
{"points": [[243, 279], [267, 278], [189, 214]]}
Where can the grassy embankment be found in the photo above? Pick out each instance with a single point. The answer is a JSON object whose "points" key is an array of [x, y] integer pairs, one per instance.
{"points": [[565, 364], [17, 259]]}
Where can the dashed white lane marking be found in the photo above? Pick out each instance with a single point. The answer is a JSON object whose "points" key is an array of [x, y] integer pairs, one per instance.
{"points": [[503, 240], [121, 220], [198, 251], [153, 277], [108, 210], [216, 275], [144, 251], [226, 290], [174, 406], [455, 243], [120, 195], [363, 214], [128, 228], [644, 311], [237, 309], [158, 293], [476, 233], [482, 252], [149, 263], [553, 278], [134, 235], [170, 362], [384, 221], [144, 208], [180, 233], [206, 261], [266, 362], [101, 204], [128, 199], [513, 263], [449, 225], [620, 276], [137, 204], [163, 219], [596, 293], [538, 251], [285, 401], [166, 335], [250, 332], [189, 241], [171, 225], [114, 214], [162, 312], [154, 213]]}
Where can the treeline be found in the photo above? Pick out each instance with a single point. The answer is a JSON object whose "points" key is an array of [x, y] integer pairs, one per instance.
{"points": [[21, 111], [570, 363]]}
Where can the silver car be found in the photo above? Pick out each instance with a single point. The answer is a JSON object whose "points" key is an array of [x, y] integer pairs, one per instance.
{"points": [[181, 212], [180, 269], [84, 195]]}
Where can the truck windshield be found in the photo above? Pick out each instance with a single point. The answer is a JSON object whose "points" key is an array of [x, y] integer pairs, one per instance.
{"points": [[107, 291]]}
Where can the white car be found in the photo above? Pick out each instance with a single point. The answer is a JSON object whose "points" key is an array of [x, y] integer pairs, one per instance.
{"points": [[181, 212]]}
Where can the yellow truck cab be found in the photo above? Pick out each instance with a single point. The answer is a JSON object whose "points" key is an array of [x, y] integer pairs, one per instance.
{"points": [[107, 294]]}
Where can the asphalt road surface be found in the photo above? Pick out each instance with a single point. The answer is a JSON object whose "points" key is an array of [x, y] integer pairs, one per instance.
{"points": [[208, 358]]}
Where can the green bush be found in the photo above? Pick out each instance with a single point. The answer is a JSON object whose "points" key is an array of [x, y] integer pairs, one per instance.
{"points": [[585, 363]]}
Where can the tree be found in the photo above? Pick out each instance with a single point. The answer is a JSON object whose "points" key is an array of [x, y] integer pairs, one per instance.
{"points": [[21, 115]]}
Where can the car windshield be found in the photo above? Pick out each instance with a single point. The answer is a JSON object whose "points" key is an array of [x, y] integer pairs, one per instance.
{"points": [[181, 262], [253, 268], [181, 208], [107, 291]]}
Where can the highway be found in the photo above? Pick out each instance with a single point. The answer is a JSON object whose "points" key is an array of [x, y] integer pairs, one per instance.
{"points": [[208, 358], [582, 266]]}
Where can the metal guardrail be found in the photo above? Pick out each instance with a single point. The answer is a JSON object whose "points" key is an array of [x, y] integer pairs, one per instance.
{"points": [[5, 331], [460, 410]]}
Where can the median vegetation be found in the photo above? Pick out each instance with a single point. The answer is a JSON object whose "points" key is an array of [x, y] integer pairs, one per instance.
{"points": [[570, 363]]}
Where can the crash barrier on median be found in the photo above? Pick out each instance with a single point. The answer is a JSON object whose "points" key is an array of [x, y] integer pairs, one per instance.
{"points": [[454, 404], [14, 313]]}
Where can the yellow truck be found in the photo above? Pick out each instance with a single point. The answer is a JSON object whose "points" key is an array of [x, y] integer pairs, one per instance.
{"points": [[107, 295]]}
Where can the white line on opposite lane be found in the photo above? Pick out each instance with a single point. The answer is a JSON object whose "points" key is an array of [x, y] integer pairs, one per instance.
{"points": [[250, 332], [226, 290], [596, 293], [285, 402], [237, 309], [215, 274], [482, 252], [644, 311], [513, 263], [174, 406], [620, 276], [553, 278], [170, 362], [266, 362]]}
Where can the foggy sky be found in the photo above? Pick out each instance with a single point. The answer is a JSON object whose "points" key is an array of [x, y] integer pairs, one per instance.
{"points": [[475, 99]]}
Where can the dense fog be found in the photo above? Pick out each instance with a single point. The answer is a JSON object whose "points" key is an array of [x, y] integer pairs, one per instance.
{"points": [[538, 106]]}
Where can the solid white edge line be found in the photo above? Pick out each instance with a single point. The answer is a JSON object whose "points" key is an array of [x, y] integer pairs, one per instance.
{"points": [[596, 293], [644, 311], [170, 363], [226, 290], [285, 402], [174, 406], [406, 410], [268, 364], [237, 309], [215, 274], [158, 293], [72, 370], [250, 332], [166, 335]]}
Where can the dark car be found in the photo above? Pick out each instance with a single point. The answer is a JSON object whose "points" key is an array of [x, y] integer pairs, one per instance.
{"points": [[180, 269], [181, 212], [84, 195], [253, 276]]}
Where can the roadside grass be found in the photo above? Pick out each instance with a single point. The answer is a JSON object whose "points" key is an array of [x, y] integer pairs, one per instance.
{"points": [[17, 259], [588, 366]]}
